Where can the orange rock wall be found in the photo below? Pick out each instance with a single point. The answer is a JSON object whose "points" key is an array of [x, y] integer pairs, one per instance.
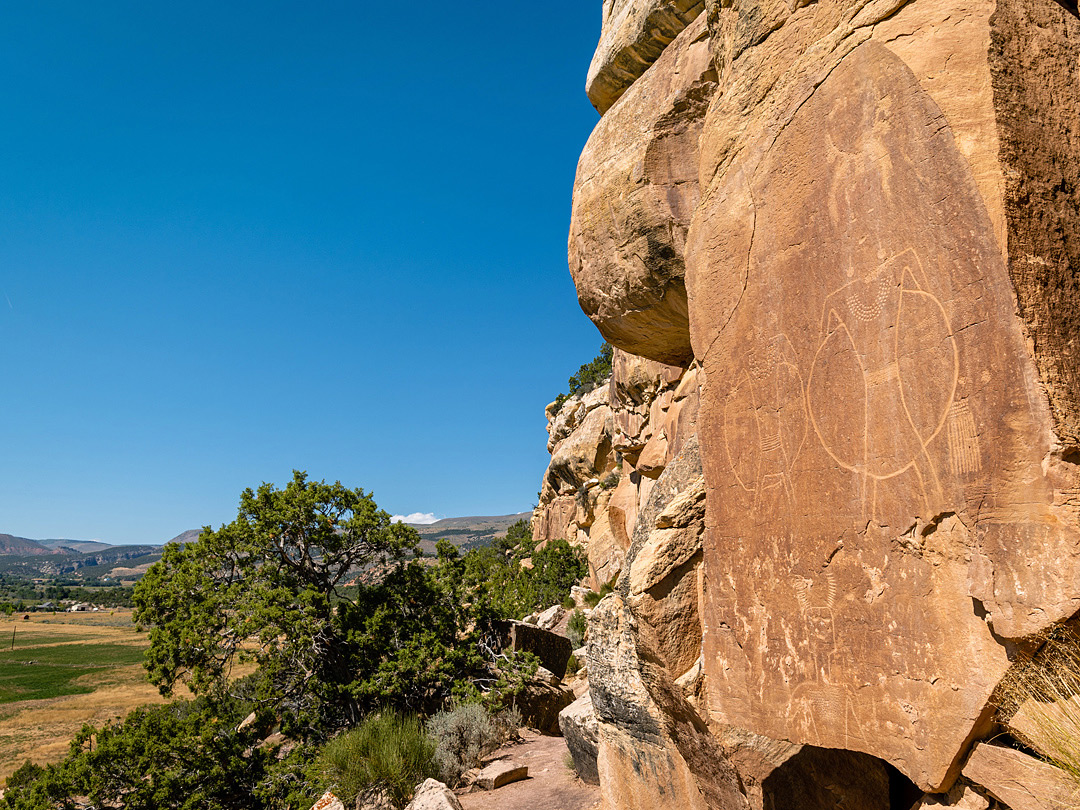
{"points": [[863, 218]]}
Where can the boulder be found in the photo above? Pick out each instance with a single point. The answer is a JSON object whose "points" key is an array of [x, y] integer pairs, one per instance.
{"points": [[959, 797], [579, 728], [1021, 781], [433, 795], [540, 702], [328, 801], [550, 618], [635, 191], [552, 649]]}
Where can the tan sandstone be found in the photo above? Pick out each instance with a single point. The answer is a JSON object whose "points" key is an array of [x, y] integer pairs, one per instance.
{"points": [[857, 225]]}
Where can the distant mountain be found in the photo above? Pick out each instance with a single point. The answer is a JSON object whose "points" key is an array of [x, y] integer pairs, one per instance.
{"points": [[23, 546], [75, 545], [466, 532], [190, 536]]}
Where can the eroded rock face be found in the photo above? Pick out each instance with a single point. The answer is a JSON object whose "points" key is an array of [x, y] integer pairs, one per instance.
{"points": [[876, 220], [636, 189], [608, 447], [632, 36]]}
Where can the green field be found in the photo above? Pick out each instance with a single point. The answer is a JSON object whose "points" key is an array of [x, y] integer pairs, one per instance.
{"points": [[44, 665]]}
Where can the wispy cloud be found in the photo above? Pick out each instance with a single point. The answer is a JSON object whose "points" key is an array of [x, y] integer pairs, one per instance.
{"points": [[415, 517]]}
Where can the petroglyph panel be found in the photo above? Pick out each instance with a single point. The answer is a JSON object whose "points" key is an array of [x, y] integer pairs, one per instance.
{"points": [[872, 433]]}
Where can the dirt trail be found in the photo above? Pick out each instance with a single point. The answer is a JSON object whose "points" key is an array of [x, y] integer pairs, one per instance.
{"points": [[551, 784]]}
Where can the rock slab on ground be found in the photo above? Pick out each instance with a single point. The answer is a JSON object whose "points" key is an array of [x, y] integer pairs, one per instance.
{"points": [[499, 773], [1021, 781]]}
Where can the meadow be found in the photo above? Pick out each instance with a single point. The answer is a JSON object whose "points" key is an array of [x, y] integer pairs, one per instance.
{"points": [[66, 670]]}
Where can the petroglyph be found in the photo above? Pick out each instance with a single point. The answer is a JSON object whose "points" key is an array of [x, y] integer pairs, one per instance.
{"points": [[765, 421], [963, 438], [884, 377]]}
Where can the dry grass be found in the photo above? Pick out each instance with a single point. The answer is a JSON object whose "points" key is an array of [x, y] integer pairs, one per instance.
{"points": [[1039, 700], [41, 729]]}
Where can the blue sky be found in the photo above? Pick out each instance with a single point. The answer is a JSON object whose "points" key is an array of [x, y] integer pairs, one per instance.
{"points": [[241, 238]]}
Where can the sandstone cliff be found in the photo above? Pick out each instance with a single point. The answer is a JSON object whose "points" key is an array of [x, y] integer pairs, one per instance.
{"points": [[608, 446], [852, 500]]}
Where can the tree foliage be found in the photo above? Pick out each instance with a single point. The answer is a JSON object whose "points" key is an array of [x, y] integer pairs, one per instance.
{"points": [[326, 595], [181, 755], [271, 586]]}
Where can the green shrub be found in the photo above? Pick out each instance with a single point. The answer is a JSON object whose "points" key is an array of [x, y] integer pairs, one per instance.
{"points": [[386, 754], [588, 376], [575, 628], [466, 734]]}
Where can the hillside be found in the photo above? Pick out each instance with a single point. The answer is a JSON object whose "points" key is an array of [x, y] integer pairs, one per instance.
{"points": [[466, 532], [23, 546]]}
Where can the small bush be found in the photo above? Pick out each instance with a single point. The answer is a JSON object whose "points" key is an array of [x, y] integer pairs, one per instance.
{"points": [[466, 734], [387, 753], [588, 376], [575, 628]]}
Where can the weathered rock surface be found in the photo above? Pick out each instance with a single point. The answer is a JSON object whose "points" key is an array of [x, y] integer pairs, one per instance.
{"points": [[598, 478], [650, 754], [540, 701], [959, 797], [636, 189], [632, 36], [433, 795], [857, 225], [861, 456], [579, 728], [499, 773], [1020, 781], [552, 649], [328, 801]]}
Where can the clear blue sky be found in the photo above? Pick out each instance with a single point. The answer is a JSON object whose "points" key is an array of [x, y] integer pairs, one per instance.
{"points": [[241, 238]]}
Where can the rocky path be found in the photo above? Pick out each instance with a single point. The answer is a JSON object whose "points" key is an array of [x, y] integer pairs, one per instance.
{"points": [[551, 785]]}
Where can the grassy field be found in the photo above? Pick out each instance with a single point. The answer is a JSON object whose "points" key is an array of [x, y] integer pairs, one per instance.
{"points": [[66, 670]]}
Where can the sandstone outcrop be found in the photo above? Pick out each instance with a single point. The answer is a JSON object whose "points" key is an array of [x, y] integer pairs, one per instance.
{"points": [[632, 36], [1020, 781], [636, 189], [550, 648], [608, 447], [857, 225], [579, 728]]}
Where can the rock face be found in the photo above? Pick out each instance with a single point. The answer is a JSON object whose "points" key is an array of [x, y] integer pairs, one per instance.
{"points": [[1022, 782], [636, 189], [857, 225], [633, 35], [579, 728], [608, 447], [552, 649]]}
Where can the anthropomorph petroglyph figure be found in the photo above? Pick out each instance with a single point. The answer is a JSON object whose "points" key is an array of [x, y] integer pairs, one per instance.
{"points": [[765, 418], [884, 377]]}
